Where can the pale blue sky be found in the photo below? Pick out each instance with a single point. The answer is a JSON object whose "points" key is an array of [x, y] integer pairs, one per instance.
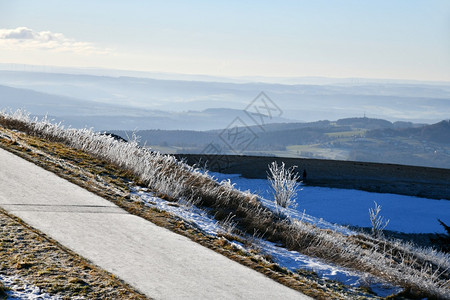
{"points": [[403, 39]]}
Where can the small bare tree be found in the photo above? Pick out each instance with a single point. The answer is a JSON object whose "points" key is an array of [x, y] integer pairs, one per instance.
{"points": [[377, 221], [284, 183]]}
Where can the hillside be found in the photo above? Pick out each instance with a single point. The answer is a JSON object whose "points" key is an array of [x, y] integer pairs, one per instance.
{"points": [[238, 224], [122, 188]]}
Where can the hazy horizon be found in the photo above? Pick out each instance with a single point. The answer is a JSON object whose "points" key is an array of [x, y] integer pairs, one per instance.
{"points": [[293, 80]]}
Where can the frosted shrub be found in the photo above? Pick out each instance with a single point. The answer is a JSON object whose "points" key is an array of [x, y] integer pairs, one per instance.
{"points": [[284, 184], [377, 221]]}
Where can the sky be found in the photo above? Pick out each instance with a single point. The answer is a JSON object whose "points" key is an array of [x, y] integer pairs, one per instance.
{"points": [[402, 39]]}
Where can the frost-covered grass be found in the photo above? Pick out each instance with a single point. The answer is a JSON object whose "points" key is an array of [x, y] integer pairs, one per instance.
{"points": [[423, 272]]}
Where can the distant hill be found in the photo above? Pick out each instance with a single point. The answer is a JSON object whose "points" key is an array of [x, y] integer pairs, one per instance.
{"points": [[437, 133], [276, 134], [365, 123], [39, 103], [80, 113]]}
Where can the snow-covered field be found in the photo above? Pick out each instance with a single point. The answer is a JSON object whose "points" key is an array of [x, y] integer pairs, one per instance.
{"points": [[350, 207]]}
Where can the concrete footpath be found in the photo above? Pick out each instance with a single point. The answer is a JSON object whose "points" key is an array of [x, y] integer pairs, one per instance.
{"points": [[156, 261]]}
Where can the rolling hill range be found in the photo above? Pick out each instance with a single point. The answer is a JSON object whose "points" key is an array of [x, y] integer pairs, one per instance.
{"points": [[174, 114], [79, 113], [359, 139], [394, 101]]}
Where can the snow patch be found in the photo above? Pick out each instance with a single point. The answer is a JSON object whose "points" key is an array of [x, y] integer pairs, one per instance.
{"points": [[19, 289]]}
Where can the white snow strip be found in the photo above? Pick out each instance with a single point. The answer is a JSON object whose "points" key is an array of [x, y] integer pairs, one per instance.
{"points": [[183, 210], [293, 260]]}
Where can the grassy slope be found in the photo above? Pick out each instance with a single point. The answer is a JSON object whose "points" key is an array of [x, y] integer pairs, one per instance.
{"points": [[382, 258]]}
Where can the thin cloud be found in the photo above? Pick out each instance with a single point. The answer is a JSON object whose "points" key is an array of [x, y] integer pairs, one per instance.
{"points": [[26, 38]]}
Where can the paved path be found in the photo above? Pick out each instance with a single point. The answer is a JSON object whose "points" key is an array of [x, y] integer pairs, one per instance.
{"points": [[156, 261]]}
